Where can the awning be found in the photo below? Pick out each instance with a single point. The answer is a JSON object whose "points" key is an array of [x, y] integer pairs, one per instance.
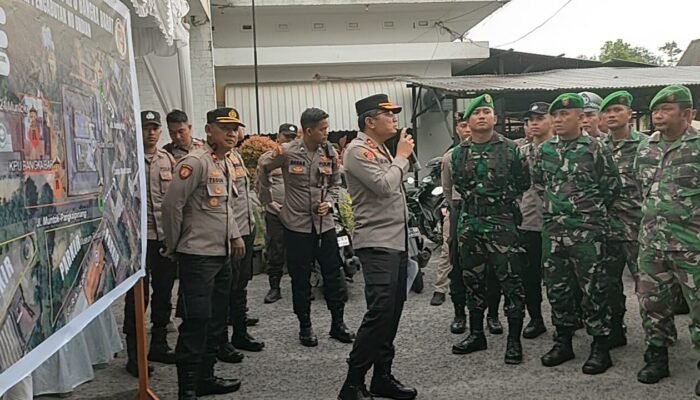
{"points": [[284, 102]]}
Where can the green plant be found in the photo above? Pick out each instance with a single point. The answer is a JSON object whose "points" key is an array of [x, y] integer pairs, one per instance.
{"points": [[347, 219]]}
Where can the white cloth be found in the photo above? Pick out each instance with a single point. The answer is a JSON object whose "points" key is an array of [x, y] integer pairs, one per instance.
{"points": [[21, 391]]}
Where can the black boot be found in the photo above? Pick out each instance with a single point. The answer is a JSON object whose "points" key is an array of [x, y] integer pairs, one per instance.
{"points": [[514, 349], [656, 367], [697, 385], [476, 340], [242, 340], [384, 384], [307, 337], [618, 333], [160, 351], [187, 382], [599, 360], [562, 351], [208, 383], [354, 387], [275, 293], [251, 321], [132, 356], [228, 354], [339, 330], [534, 328], [459, 323], [495, 327]]}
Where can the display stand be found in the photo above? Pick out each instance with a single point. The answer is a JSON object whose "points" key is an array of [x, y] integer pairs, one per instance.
{"points": [[144, 391]]}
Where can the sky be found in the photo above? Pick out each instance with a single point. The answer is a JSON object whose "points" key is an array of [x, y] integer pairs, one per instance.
{"points": [[582, 26]]}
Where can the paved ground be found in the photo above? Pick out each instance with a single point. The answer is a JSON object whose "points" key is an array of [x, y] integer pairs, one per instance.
{"points": [[286, 370]]}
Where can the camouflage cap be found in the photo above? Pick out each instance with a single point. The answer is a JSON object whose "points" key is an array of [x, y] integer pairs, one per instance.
{"points": [[672, 94], [621, 97], [485, 100], [566, 101]]}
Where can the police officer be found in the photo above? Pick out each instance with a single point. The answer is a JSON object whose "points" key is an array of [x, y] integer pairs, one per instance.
{"points": [[490, 174], [160, 271], [591, 114], [578, 180], [202, 233], [311, 185], [180, 130], [622, 247], [273, 199], [668, 164], [539, 126], [458, 292], [242, 269], [375, 183]]}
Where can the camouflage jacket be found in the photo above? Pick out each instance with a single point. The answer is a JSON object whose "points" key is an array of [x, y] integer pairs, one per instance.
{"points": [[577, 180], [489, 177], [670, 178], [626, 211]]}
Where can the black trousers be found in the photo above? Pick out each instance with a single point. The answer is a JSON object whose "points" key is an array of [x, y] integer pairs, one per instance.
{"points": [[241, 274], [385, 292], [532, 272], [302, 250], [275, 246], [160, 274], [205, 282]]}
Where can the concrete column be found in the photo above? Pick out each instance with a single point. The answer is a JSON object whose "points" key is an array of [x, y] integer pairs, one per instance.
{"points": [[203, 82]]}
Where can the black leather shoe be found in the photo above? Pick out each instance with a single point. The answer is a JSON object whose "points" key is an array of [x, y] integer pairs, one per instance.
{"points": [[251, 321], [494, 325], [561, 352], [341, 333], [273, 295], [228, 354], [459, 324], [476, 341], [133, 369], [656, 367], [214, 385], [599, 360], [438, 299], [161, 354], [307, 337], [247, 342], [385, 385], [354, 392], [534, 329]]}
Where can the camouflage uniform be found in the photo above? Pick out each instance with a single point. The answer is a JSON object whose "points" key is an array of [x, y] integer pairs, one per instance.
{"points": [[578, 180], [622, 247], [669, 234], [489, 177]]}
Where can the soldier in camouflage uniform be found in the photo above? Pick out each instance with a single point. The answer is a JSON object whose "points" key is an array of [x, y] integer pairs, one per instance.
{"points": [[622, 247], [668, 164], [578, 179], [489, 173]]}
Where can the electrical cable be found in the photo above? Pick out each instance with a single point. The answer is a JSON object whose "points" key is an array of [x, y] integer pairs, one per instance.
{"points": [[537, 27]]}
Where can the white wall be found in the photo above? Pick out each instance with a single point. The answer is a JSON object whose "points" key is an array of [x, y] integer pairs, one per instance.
{"points": [[203, 84]]}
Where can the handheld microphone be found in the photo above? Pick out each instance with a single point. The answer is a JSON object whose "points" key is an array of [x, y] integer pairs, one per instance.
{"points": [[413, 159]]}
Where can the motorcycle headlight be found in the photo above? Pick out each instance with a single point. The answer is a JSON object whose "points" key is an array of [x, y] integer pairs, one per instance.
{"points": [[427, 179], [437, 191], [338, 228], [410, 180]]}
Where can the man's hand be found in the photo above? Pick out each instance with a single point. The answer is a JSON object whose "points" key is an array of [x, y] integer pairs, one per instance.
{"points": [[163, 251], [275, 206], [237, 248], [405, 146], [323, 208]]}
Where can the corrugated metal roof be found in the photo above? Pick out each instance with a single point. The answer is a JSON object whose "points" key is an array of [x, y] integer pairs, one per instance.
{"points": [[284, 102], [566, 79]]}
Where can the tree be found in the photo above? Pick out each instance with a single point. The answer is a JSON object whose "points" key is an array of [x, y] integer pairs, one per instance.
{"points": [[621, 50], [671, 50]]}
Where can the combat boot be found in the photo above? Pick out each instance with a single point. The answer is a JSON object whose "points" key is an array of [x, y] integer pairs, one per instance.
{"points": [[562, 351], [132, 366], [275, 293], [476, 340], [210, 384], [459, 323], [618, 333], [160, 351], [514, 349], [494, 325], [242, 340], [599, 360], [307, 337], [534, 328], [187, 382], [354, 387], [656, 367], [339, 330], [384, 384], [697, 385]]}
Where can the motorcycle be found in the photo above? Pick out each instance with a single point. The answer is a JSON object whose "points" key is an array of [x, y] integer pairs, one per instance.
{"points": [[418, 249], [348, 261], [426, 201]]}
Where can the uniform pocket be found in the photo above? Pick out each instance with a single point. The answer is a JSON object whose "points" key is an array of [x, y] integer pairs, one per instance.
{"points": [[216, 197]]}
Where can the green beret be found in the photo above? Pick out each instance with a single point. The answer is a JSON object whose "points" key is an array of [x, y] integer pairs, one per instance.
{"points": [[485, 100], [672, 94], [566, 101], [621, 97]]}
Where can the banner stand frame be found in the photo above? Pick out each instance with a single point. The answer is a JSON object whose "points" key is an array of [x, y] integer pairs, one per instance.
{"points": [[144, 391]]}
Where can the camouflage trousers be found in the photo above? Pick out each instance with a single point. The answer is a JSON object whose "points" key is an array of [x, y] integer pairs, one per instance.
{"points": [[499, 252], [568, 263], [618, 254], [659, 272]]}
